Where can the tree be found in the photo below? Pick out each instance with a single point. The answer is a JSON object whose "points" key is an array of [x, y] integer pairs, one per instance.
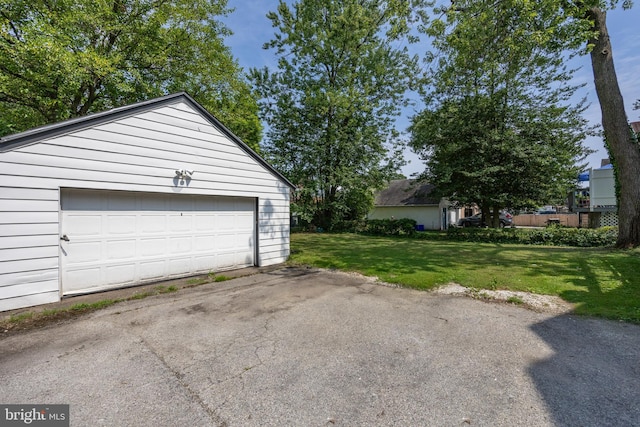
{"points": [[331, 103], [498, 130], [621, 143], [63, 59]]}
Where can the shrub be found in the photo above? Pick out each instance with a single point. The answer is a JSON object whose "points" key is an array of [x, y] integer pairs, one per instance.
{"points": [[553, 235], [389, 227], [349, 226]]}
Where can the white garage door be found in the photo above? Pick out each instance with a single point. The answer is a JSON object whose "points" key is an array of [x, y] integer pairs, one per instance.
{"points": [[122, 238]]}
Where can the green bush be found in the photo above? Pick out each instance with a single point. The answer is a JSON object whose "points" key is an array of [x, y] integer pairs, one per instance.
{"points": [[553, 235], [388, 227], [349, 226], [373, 227]]}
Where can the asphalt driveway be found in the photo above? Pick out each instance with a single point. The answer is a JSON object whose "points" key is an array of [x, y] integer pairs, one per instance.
{"points": [[316, 348]]}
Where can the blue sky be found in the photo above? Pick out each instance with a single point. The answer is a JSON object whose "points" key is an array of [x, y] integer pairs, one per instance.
{"points": [[252, 29]]}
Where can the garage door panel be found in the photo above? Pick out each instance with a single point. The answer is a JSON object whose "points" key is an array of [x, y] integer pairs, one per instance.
{"points": [[179, 223], [82, 200], [122, 202], [206, 243], [205, 222], [205, 205], [152, 270], [179, 245], [121, 224], [226, 204], [153, 202], [120, 273], [245, 240], [207, 262], [84, 225], [226, 222], [225, 242], [126, 238], [244, 237], [83, 252], [244, 216], [181, 204], [152, 247], [243, 259], [120, 249], [75, 278], [244, 222], [227, 258], [152, 224], [179, 266], [245, 205]]}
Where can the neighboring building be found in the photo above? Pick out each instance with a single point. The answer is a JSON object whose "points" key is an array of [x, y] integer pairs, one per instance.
{"points": [[407, 198], [599, 200], [155, 190]]}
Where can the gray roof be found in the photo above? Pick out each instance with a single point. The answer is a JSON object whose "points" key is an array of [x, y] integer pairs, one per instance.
{"points": [[38, 134], [407, 192]]}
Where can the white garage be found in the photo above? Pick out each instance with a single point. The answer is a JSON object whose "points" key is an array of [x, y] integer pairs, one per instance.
{"points": [[148, 192]]}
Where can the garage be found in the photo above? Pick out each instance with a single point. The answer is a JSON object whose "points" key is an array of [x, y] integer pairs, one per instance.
{"points": [[115, 238], [156, 190]]}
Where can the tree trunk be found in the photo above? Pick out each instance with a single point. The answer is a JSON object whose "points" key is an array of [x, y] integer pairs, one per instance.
{"points": [[624, 152], [495, 217]]}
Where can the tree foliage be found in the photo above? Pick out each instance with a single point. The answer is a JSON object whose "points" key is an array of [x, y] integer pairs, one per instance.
{"points": [[67, 58], [330, 105], [499, 130]]}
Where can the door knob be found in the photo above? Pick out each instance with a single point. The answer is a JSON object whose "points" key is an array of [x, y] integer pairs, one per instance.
{"points": [[65, 238]]}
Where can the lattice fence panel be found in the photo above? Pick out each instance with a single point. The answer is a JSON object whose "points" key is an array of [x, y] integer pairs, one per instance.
{"points": [[609, 219]]}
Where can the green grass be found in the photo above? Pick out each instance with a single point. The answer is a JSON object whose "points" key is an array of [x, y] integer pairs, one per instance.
{"points": [[601, 282], [515, 300], [165, 290], [94, 305], [22, 317], [213, 277]]}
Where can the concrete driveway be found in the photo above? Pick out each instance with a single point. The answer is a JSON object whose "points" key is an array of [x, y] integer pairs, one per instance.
{"points": [[316, 348]]}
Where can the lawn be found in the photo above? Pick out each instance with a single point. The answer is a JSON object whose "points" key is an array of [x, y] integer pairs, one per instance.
{"points": [[601, 282]]}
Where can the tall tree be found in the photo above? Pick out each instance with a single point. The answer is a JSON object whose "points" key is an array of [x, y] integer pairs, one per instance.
{"points": [[621, 143], [330, 105], [498, 130], [62, 59]]}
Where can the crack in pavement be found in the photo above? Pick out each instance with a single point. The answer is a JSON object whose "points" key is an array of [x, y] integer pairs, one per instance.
{"points": [[261, 341], [195, 397]]}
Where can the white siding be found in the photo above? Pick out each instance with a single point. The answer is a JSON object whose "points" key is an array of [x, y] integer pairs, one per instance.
{"points": [[429, 216], [138, 153], [602, 190]]}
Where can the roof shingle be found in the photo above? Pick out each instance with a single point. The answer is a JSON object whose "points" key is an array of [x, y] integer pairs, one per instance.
{"points": [[407, 192]]}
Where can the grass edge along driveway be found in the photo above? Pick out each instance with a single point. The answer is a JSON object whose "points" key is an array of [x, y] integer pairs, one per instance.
{"points": [[600, 282]]}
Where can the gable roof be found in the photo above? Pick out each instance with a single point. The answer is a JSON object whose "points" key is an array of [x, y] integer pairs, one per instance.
{"points": [[407, 192], [35, 135]]}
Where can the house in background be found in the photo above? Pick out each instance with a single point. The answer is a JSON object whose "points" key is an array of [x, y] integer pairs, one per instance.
{"points": [[408, 198], [137, 194], [598, 201]]}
